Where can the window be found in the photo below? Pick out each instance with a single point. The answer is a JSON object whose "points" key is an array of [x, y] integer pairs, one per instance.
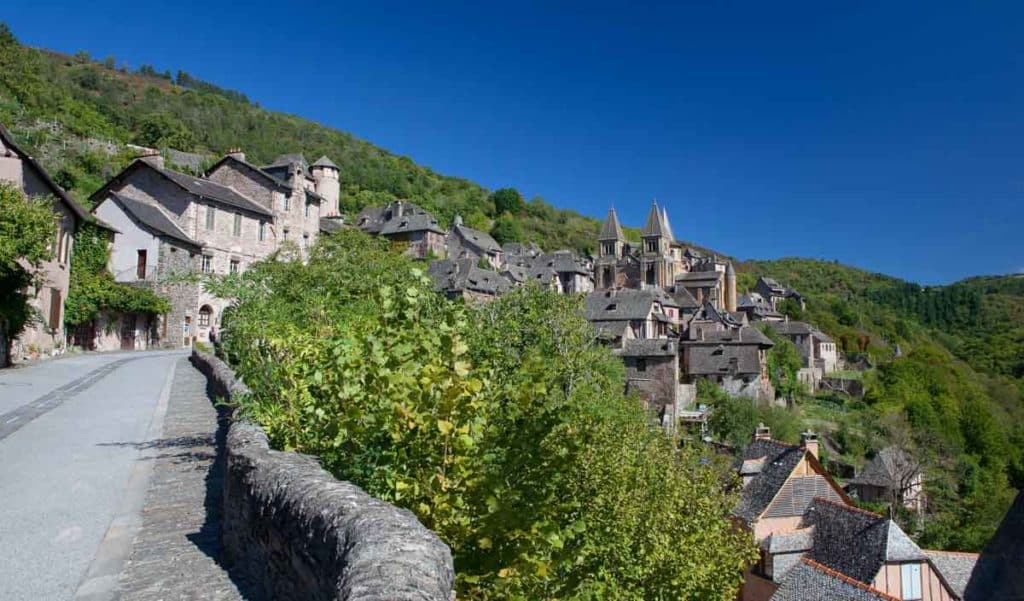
{"points": [[307, 209], [204, 316], [207, 263], [641, 364], [910, 578], [140, 265], [237, 230], [284, 235], [234, 266], [263, 231], [652, 245], [210, 211], [287, 203], [305, 240]]}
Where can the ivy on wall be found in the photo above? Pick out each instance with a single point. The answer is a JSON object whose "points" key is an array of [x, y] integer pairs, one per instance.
{"points": [[93, 288]]}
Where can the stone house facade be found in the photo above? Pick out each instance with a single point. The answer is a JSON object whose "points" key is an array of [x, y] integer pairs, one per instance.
{"points": [[407, 225], [47, 335], [219, 224]]}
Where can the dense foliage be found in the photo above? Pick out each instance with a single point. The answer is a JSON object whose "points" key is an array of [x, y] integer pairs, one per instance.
{"points": [[503, 427], [93, 289], [27, 233], [947, 386]]}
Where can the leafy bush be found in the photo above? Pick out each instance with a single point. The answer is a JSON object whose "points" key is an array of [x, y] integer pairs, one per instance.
{"points": [[502, 426]]}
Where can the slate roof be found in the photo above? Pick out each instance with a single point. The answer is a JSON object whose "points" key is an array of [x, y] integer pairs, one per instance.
{"points": [[856, 542], [153, 219], [481, 240], [258, 171], [741, 336], [779, 461], [655, 225], [888, 469], [955, 568], [287, 160], [998, 575], [722, 360], [384, 219], [623, 304], [60, 193], [611, 230], [683, 298], [324, 162], [811, 581], [699, 277], [331, 224], [654, 347], [668, 226], [458, 275], [416, 222], [793, 541], [772, 284], [212, 191]]}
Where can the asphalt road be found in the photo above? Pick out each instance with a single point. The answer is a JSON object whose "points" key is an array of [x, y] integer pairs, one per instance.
{"points": [[70, 434]]}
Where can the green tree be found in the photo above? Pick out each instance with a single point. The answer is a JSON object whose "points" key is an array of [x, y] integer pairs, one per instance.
{"points": [[508, 200], [27, 233]]}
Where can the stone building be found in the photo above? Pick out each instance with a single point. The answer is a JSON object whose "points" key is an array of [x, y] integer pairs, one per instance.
{"points": [[463, 278], [405, 224], [175, 223], [892, 476], [816, 348], [717, 348], [774, 292], [47, 336], [465, 242]]}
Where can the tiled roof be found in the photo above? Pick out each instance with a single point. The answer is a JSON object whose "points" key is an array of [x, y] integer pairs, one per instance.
{"points": [[955, 568], [324, 162], [890, 468], [415, 222], [611, 230], [623, 304], [811, 581], [793, 541], [153, 219], [683, 298], [458, 275], [287, 160], [856, 542], [779, 461], [481, 240], [386, 220], [699, 277], [212, 191], [655, 225], [722, 359], [653, 347], [330, 225]]}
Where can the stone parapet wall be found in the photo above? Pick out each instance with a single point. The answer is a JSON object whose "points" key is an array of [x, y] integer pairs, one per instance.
{"points": [[295, 532]]}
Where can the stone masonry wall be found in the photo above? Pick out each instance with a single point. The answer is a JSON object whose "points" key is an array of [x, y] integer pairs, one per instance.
{"points": [[296, 532]]}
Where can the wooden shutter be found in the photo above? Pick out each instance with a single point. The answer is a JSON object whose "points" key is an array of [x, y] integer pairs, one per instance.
{"points": [[55, 309], [140, 267]]}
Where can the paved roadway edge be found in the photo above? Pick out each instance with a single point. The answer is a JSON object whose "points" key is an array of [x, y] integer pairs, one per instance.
{"points": [[100, 582]]}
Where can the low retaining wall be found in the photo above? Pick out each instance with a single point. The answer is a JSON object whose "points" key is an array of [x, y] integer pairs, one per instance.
{"points": [[293, 531]]}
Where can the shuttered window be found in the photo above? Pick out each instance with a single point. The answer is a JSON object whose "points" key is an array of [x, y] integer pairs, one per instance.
{"points": [[140, 266], [210, 212], [910, 579], [54, 309]]}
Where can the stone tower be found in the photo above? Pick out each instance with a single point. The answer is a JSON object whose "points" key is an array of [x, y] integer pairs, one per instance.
{"points": [[611, 244], [328, 185], [730, 288], [656, 264]]}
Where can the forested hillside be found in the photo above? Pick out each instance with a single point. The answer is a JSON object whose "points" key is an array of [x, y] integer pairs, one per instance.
{"points": [[62, 107]]}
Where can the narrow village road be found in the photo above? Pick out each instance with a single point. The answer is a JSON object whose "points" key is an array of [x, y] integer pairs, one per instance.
{"points": [[71, 432]]}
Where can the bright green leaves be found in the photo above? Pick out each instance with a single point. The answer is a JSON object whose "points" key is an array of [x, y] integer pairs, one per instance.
{"points": [[503, 427]]}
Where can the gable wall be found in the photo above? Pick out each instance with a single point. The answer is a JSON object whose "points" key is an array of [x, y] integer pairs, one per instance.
{"points": [[888, 580], [129, 239], [146, 185]]}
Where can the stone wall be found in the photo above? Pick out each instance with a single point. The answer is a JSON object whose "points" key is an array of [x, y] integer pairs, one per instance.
{"points": [[295, 532]]}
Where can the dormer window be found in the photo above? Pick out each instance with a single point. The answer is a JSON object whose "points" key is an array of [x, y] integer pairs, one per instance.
{"points": [[612, 307]]}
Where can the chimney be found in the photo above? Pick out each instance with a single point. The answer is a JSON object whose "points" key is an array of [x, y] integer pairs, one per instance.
{"points": [[153, 157], [809, 441], [762, 432], [398, 209], [236, 153]]}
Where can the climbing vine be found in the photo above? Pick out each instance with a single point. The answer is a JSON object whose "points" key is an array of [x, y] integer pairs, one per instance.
{"points": [[93, 288]]}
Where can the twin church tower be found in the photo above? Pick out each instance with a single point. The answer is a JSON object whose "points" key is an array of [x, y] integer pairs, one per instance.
{"points": [[662, 261]]}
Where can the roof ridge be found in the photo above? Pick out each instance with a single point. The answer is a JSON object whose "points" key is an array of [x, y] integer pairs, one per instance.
{"points": [[848, 579], [847, 507], [957, 553]]}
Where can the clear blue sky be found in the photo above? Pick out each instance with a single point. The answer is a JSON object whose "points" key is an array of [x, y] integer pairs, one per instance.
{"points": [[887, 135]]}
